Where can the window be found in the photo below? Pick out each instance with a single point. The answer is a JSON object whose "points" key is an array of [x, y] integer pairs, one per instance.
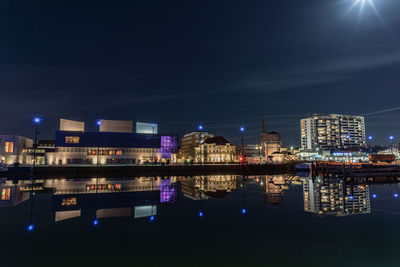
{"points": [[9, 147], [72, 139], [118, 152], [5, 194]]}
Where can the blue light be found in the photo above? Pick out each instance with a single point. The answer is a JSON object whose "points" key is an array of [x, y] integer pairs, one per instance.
{"points": [[30, 228], [391, 137], [374, 196], [244, 211], [370, 138], [95, 222], [396, 195], [98, 122], [347, 136], [37, 120], [152, 218], [200, 127], [201, 214], [351, 197], [242, 129]]}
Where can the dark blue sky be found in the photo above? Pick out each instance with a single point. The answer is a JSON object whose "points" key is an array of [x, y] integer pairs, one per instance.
{"points": [[181, 63]]}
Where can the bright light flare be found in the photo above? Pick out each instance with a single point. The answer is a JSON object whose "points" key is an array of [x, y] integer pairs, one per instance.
{"points": [[362, 4]]}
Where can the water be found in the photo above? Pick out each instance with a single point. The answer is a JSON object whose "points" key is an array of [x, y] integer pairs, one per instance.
{"points": [[199, 221]]}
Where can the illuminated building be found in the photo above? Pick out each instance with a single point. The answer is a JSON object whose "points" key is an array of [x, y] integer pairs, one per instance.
{"points": [[109, 146], [332, 131], [12, 149], [253, 154], [216, 150], [331, 196], [190, 141], [272, 144]]}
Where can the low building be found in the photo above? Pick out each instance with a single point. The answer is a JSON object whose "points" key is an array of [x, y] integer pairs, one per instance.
{"points": [[12, 148], [112, 147], [216, 150]]}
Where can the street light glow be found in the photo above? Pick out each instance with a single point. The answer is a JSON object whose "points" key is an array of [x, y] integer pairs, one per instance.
{"points": [[242, 129], [200, 127], [37, 120]]}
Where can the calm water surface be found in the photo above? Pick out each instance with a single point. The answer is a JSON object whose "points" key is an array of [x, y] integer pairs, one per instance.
{"points": [[199, 221]]}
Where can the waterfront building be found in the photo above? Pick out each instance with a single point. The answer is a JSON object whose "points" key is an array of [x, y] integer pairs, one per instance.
{"points": [[216, 150], [190, 141], [12, 148], [42, 148], [332, 131], [272, 144], [253, 154], [333, 197], [114, 143]]}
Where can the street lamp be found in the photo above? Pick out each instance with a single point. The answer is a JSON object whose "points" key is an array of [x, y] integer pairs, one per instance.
{"points": [[36, 121], [242, 130], [153, 125], [98, 122], [200, 128]]}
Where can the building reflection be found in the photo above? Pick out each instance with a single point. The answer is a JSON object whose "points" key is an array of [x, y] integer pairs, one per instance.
{"points": [[274, 186], [13, 194], [108, 198], [204, 187], [335, 197]]}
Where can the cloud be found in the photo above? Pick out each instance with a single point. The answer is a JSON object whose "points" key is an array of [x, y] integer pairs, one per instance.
{"points": [[320, 73], [381, 111]]}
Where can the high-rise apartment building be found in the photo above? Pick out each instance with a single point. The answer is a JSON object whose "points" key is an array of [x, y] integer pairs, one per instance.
{"points": [[332, 131], [333, 197]]}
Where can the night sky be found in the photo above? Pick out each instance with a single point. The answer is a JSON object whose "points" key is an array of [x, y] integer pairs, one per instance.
{"points": [[222, 64]]}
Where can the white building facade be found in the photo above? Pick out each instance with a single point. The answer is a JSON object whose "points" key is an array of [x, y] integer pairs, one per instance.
{"points": [[332, 131]]}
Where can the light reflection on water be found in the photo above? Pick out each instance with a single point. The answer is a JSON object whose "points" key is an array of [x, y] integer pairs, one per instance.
{"points": [[275, 208]]}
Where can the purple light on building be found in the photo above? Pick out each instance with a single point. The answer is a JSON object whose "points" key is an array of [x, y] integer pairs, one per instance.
{"points": [[168, 193]]}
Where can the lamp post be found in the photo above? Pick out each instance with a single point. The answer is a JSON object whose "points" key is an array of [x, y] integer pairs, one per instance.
{"points": [[200, 128], [152, 149], [98, 142], [242, 130], [391, 138], [36, 121]]}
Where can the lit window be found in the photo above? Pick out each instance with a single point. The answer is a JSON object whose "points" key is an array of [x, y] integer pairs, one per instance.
{"points": [[9, 147], [118, 152], [5, 194], [72, 139]]}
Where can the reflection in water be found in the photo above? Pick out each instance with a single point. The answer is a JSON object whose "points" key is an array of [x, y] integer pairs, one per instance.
{"points": [[332, 196], [101, 198], [274, 187]]}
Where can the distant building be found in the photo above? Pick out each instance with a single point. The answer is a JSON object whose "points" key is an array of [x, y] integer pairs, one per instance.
{"points": [[332, 131], [216, 150], [332, 197], [272, 144], [109, 146], [192, 140], [12, 149]]}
